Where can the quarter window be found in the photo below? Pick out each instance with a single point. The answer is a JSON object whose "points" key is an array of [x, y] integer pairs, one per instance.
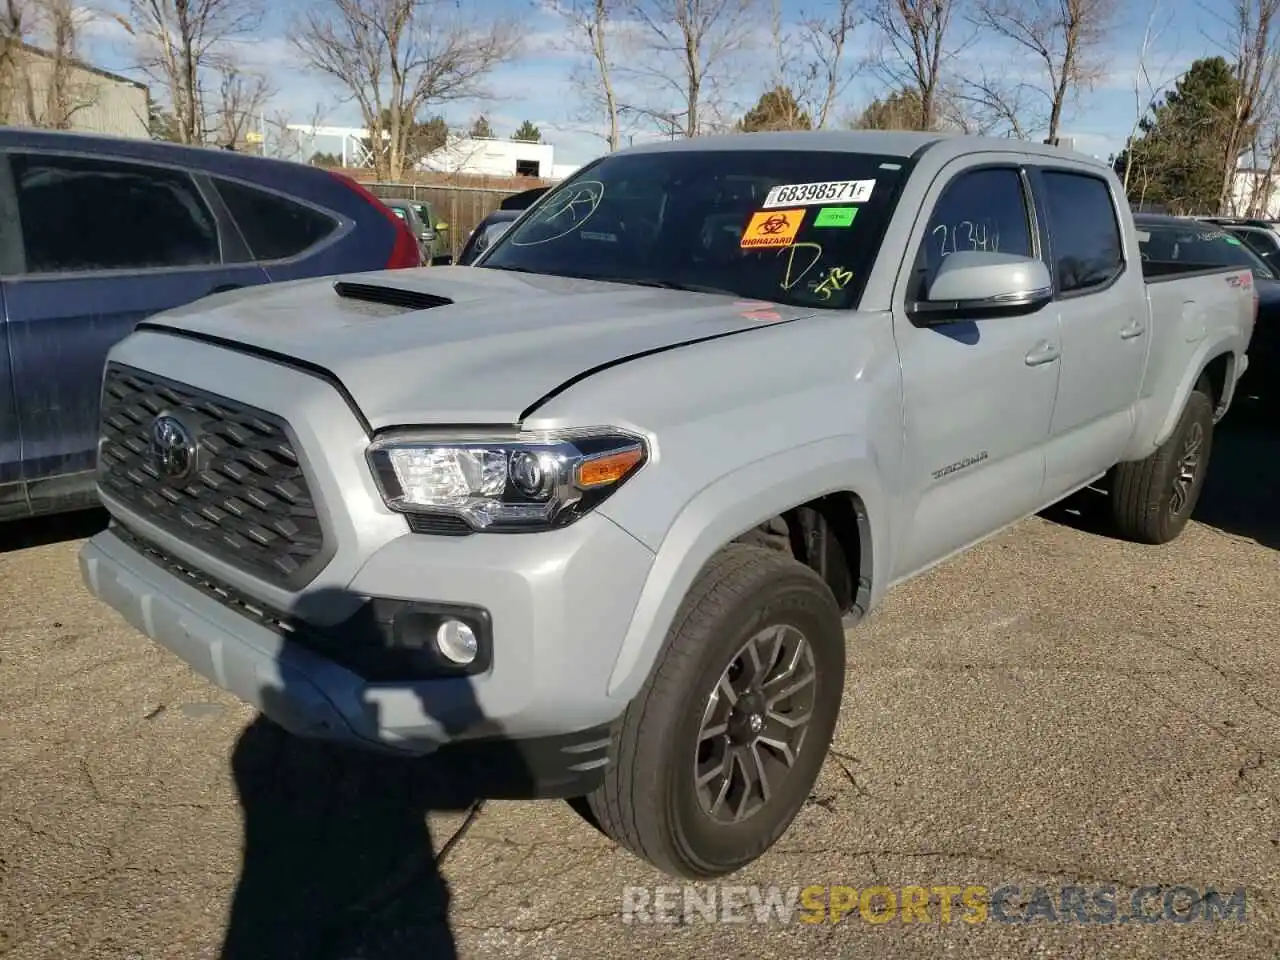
{"points": [[1083, 231], [274, 227], [88, 214]]}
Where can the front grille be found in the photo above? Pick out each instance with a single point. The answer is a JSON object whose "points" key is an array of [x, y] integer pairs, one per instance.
{"points": [[244, 498]]}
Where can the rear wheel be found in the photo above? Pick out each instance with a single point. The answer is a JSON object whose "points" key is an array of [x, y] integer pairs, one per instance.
{"points": [[1152, 499], [719, 750]]}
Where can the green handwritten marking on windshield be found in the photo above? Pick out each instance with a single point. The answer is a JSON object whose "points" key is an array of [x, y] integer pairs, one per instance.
{"points": [[1232, 240], [835, 217]]}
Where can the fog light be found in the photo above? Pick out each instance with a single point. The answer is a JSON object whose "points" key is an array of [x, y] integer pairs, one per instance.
{"points": [[457, 642]]}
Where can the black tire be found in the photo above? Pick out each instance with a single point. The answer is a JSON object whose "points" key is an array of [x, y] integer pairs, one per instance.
{"points": [[648, 801], [1143, 502]]}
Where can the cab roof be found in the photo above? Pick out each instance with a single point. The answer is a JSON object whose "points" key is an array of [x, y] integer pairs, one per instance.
{"points": [[887, 143]]}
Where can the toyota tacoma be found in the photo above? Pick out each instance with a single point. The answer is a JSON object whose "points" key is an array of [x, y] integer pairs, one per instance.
{"points": [[605, 502]]}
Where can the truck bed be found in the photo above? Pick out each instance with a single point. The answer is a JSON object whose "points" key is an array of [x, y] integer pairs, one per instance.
{"points": [[1162, 271], [1185, 301]]}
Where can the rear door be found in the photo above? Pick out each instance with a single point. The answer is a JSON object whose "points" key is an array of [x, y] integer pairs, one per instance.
{"points": [[1102, 307], [105, 244]]}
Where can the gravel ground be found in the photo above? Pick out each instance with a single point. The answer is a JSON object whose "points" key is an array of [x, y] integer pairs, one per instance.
{"points": [[1056, 708]]}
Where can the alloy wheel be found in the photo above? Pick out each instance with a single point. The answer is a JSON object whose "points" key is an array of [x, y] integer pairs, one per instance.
{"points": [[754, 723]]}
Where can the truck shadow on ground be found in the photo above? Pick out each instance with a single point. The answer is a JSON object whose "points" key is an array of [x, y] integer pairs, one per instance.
{"points": [[338, 861], [43, 531], [1240, 492]]}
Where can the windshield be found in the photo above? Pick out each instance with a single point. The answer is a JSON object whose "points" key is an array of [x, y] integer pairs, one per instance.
{"points": [[1198, 244], [797, 227]]}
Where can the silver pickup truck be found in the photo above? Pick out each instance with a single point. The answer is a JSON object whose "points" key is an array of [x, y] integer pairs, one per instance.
{"points": [[603, 504]]}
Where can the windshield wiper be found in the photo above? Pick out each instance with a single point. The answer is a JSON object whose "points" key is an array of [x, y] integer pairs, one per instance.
{"points": [[666, 285], [633, 281]]}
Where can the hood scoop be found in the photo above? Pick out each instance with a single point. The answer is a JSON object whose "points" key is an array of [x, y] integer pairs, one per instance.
{"points": [[403, 301]]}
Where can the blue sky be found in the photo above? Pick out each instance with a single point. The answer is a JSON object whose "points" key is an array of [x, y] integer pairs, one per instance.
{"points": [[537, 87]]}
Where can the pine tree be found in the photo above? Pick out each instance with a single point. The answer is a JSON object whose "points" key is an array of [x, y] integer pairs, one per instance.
{"points": [[1176, 160], [776, 109], [528, 132]]}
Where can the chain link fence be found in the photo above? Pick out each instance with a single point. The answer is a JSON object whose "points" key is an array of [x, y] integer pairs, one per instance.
{"points": [[462, 208]]}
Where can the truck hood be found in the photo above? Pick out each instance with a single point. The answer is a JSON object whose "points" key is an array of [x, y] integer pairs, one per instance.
{"points": [[449, 345]]}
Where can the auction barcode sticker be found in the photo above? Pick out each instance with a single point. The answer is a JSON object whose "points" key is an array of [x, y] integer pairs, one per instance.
{"points": [[828, 191]]}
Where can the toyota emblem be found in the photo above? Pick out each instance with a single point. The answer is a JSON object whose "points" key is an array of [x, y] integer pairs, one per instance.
{"points": [[173, 449]]}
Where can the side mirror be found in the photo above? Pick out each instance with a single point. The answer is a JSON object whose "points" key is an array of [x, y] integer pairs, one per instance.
{"points": [[442, 226], [976, 284], [443, 260]]}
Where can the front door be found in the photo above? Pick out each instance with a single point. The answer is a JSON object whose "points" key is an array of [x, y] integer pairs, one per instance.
{"points": [[978, 395], [105, 244]]}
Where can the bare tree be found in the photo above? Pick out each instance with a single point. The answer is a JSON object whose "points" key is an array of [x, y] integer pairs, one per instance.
{"points": [[1254, 44], [590, 27], [15, 25], [63, 96], [287, 143], [41, 87], [916, 50], [685, 59], [397, 57], [1062, 35], [989, 104], [180, 41], [811, 56], [1146, 87], [241, 97]]}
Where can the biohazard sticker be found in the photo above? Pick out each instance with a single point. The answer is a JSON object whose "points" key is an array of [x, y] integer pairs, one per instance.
{"points": [[772, 228], [825, 191]]}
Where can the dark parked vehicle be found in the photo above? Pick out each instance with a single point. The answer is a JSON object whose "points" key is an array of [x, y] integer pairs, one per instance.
{"points": [[1215, 244], [97, 234], [1261, 237], [496, 224], [486, 231]]}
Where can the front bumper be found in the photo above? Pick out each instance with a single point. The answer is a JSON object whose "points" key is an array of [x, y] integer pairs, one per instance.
{"points": [[560, 604]]}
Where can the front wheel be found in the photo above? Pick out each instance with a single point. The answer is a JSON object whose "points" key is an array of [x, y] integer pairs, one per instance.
{"points": [[721, 747], [1152, 499]]}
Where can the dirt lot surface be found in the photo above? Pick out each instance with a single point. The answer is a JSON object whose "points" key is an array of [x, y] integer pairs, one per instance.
{"points": [[1054, 708]]}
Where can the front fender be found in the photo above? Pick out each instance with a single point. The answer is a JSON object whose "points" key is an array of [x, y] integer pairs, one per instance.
{"points": [[729, 507]]}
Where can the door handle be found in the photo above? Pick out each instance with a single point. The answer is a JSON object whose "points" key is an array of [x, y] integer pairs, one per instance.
{"points": [[1133, 329], [1045, 352]]}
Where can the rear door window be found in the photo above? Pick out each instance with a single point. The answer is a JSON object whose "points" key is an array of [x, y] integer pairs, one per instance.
{"points": [[91, 214], [274, 227], [1083, 231]]}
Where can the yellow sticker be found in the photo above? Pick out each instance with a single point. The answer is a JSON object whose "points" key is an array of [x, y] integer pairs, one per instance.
{"points": [[772, 228]]}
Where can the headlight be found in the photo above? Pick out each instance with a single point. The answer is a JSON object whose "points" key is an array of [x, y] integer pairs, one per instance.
{"points": [[528, 481]]}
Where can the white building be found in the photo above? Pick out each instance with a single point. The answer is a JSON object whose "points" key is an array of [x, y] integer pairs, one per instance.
{"points": [[492, 157]]}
